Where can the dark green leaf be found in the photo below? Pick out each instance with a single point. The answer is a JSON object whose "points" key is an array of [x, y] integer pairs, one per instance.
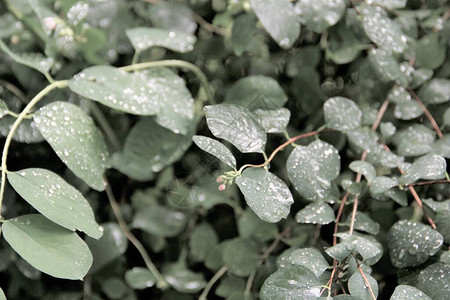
{"points": [[406, 292], [215, 148], [413, 140], [241, 256], [251, 226], [316, 213], [382, 183], [310, 258], [357, 286], [430, 167], [114, 288], [364, 223], [203, 238], [434, 281], [160, 221], [143, 38], [429, 51], [183, 279], [139, 278], [342, 114], [387, 67], [367, 246]]}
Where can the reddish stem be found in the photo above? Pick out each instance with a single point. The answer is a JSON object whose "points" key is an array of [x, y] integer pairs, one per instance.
{"points": [[427, 113]]}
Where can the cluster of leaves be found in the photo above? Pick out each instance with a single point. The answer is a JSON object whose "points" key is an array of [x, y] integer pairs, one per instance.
{"points": [[329, 180]]}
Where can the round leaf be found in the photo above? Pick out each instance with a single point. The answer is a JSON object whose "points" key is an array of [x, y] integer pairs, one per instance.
{"points": [[160, 221], [182, 279], [414, 140], [430, 166], [342, 114], [203, 238], [436, 91], [318, 15], [357, 286], [310, 258], [241, 256], [433, 281], [406, 292], [316, 213], [139, 278]]}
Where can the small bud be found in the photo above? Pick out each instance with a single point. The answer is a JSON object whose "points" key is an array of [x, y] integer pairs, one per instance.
{"points": [[219, 179], [222, 187]]}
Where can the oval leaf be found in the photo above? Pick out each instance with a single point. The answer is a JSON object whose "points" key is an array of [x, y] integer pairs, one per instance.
{"points": [[358, 288], [342, 114], [406, 292], [139, 278], [430, 167], [215, 148], [160, 221], [241, 256], [316, 213], [414, 140], [318, 15], [143, 38], [183, 279]]}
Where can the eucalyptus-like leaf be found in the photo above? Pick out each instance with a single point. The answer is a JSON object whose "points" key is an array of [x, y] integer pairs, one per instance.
{"points": [[3, 109], [357, 286], [363, 139], [430, 51], [411, 243], [160, 221], [436, 91], [251, 226], [414, 140], [311, 169], [420, 76], [387, 130], [367, 246], [273, 121], [433, 281], [237, 125], [215, 148], [182, 279], [202, 239], [310, 258], [384, 32], [382, 183], [406, 108], [390, 3], [430, 167], [76, 140], [48, 247], [172, 16], [279, 20], [316, 213], [266, 194], [442, 146], [292, 282], [407, 292], [56, 199], [243, 33], [143, 38], [241, 256], [140, 278], [364, 168], [318, 15], [387, 67], [364, 223], [342, 114], [25, 133]]}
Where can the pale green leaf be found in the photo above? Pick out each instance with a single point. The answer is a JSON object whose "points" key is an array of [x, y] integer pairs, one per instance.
{"points": [[292, 282], [230, 285], [237, 125], [430, 167], [318, 15], [367, 246], [25, 133], [364, 168], [406, 292], [390, 3], [429, 51], [342, 114], [433, 281], [241, 256], [436, 91], [273, 121], [215, 148], [182, 279], [56, 199], [279, 19], [310, 258], [447, 117], [114, 288], [316, 213], [35, 61], [160, 221], [364, 223], [343, 45], [387, 67], [411, 243], [2, 295], [414, 140], [419, 77], [48, 247], [139, 278], [387, 130], [357, 286], [266, 194], [172, 16], [442, 146], [251, 226], [76, 140], [3, 109], [202, 239], [442, 220], [363, 139], [311, 169], [143, 38], [243, 33], [382, 183]]}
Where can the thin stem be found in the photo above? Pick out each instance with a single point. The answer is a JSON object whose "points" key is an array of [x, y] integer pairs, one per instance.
{"points": [[366, 281], [104, 124], [15, 90], [20, 117], [355, 209], [380, 114], [248, 286], [211, 283], [338, 217], [427, 113], [274, 244], [161, 282], [427, 182], [208, 26], [177, 64]]}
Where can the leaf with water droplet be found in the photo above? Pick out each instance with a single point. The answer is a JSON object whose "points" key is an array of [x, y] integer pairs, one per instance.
{"points": [[273, 121], [3, 109], [202, 239], [429, 167], [442, 146], [311, 169], [420, 76], [266, 194], [430, 51], [407, 292], [56, 199], [310, 258], [342, 114], [389, 3], [316, 213], [384, 32], [237, 125], [241, 256], [143, 38], [367, 246], [442, 220], [139, 278], [48, 247], [436, 91], [25, 133], [433, 281], [413, 140], [405, 108], [364, 168], [215, 148], [182, 279], [343, 45], [387, 67], [292, 282], [255, 92], [357, 286], [411, 243], [363, 138], [382, 183], [76, 140], [318, 15], [251, 226], [279, 20], [175, 16], [364, 223], [160, 221]]}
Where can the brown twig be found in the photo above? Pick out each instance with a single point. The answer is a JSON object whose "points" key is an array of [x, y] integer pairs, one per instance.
{"points": [[355, 8], [208, 26], [274, 244], [15, 90], [427, 182], [366, 281], [427, 113]]}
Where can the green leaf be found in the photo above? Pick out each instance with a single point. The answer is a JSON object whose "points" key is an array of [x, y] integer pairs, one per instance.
{"points": [[214, 259], [357, 286], [384, 32], [155, 91], [55, 199], [390, 3], [3, 109], [343, 45], [237, 125], [230, 285], [202, 239], [429, 51], [160, 221], [311, 169], [447, 117], [241, 256], [387, 130], [382, 183], [318, 15], [364, 223], [342, 114], [430, 167], [108, 248], [310, 258], [413, 140], [433, 281], [367, 246], [256, 92], [215, 148], [172, 16], [419, 77], [442, 146], [316, 213], [48, 247], [410, 243], [182, 279], [143, 38], [442, 221], [266, 194], [76, 140], [33, 60], [363, 139], [279, 19], [273, 121], [139, 278], [436, 91], [251, 226], [405, 108], [364, 168], [25, 133], [387, 67], [243, 33], [292, 282], [406, 292], [2, 295]]}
